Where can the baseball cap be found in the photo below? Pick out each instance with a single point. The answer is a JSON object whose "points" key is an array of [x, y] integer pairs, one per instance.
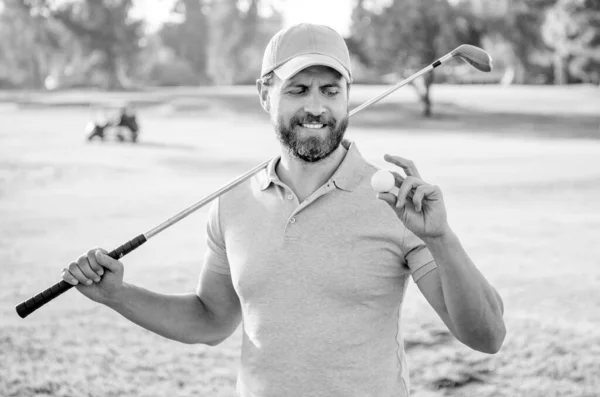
{"points": [[302, 45]]}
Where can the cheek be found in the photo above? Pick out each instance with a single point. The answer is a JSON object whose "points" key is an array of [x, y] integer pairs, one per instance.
{"points": [[284, 112], [340, 110]]}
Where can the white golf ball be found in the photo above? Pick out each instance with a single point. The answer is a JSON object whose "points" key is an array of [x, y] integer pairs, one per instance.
{"points": [[383, 181]]}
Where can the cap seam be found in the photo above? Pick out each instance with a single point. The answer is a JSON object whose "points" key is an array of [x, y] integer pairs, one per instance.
{"points": [[312, 38]]}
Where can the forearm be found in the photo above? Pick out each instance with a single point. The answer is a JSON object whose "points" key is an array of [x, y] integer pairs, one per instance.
{"points": [[474, 306], [179, 317]]}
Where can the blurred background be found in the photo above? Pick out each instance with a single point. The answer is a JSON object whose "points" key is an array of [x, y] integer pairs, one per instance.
{"points": [[128, 44], [117, 114]]}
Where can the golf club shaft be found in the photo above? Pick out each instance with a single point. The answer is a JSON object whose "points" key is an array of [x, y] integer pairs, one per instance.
{"points": [[32, 304], [394, 88]]}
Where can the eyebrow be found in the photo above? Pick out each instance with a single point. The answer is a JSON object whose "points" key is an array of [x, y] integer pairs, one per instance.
{"points": [[329, 85]]}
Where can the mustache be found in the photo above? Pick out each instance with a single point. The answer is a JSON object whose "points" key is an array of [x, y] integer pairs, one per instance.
{"points": [[308, 118]]}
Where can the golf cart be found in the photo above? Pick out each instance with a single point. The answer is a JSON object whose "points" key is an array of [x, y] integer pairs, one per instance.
{"points": [[123, 126]]}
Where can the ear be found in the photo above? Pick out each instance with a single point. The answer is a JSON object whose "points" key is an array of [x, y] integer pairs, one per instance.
{"points": [[263, 94]]}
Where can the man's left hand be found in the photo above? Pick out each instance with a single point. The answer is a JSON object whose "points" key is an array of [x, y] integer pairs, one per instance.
{"points": [[419, 205]]}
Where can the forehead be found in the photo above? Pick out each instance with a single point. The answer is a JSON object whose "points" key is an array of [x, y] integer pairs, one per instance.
{"points": [[322, 74]]}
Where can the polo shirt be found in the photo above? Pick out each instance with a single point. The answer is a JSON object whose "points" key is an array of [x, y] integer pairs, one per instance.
{"points": [[320, 283]]}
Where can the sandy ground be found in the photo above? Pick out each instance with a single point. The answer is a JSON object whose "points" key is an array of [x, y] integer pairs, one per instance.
{"points": [[525, 207]]}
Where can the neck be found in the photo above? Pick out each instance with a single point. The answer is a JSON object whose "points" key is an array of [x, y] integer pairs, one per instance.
{"points": [[304, 178]]}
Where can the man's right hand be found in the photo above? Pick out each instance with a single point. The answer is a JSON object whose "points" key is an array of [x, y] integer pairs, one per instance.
{"points": [[96, 275]]}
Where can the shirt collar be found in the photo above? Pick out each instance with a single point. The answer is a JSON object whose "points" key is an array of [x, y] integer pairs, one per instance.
{"points": [[346, 177]]}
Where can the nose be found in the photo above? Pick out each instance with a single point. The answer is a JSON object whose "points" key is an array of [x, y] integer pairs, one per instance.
{"points": [[314, 105]]}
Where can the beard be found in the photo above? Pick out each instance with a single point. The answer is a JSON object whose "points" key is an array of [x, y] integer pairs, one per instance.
{"points": [[314, 148]]}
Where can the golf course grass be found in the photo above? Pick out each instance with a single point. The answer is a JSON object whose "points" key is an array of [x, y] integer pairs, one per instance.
{"points": [[519, 168]]}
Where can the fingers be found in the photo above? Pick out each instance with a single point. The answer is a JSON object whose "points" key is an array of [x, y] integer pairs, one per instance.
{"points": [[398, 178], [94, 265], [408, 166], [106, 261], [388, 198], [76, 273], [86, 268], [421, 192], [89, 267], [68, 277], [408, 185]]}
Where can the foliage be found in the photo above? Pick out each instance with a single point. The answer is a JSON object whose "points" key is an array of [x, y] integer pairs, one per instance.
{"points": [[105, 29], [407, 35], [239, 36], [51, 44], [30, 45], [525, 54], [572, 30], [188, 40], [64, 43]]}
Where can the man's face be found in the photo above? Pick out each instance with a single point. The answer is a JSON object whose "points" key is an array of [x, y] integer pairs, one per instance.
{"points": [[310, 112]]}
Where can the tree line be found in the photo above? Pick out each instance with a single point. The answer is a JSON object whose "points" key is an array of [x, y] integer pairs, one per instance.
{"points": [[50, 44]]}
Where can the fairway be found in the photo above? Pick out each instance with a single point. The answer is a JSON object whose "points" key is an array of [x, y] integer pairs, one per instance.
{"points": [[519, 168]]}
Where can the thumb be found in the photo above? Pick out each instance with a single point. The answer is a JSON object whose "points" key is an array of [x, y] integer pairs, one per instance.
{"points": [[111, 264], [388, 198]]}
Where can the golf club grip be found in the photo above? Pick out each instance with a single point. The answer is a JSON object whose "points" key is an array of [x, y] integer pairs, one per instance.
{"points": [[32, 304], [24, 309], [126, 248]]}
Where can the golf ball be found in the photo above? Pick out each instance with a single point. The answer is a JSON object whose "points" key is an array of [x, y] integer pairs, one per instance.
{"points": [[383, 181]]}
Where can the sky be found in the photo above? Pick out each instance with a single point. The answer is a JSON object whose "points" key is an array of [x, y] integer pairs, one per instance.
{"points": [[334, 13]]}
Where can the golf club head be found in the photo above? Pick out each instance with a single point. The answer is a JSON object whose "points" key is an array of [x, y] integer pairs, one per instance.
{"points": [[475, 56]]}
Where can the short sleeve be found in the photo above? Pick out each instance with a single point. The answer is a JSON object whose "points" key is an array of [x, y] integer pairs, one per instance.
{"points": [[215, 258], [417, 256]]}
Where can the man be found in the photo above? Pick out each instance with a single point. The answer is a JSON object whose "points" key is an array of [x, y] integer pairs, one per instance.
{"points": [[308, 257], [127, 119]]}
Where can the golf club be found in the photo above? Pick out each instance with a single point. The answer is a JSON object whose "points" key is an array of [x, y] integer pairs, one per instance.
{"points": [[474, 56]]}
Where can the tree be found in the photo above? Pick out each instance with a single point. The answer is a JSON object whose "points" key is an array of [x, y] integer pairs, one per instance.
{"points": [[104, 28], [572, 30], [513, 31], [239, 35], [188, 38], [29, 42], [406, 35]]}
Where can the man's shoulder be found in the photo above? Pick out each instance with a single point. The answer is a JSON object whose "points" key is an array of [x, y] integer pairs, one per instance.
{"points": [[243, 196]]}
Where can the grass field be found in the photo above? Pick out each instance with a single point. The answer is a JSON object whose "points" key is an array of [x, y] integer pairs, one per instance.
{"points": [[520, 172]]}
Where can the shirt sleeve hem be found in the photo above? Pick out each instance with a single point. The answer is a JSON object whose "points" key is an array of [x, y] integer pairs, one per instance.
{"points": [[423, 270]]}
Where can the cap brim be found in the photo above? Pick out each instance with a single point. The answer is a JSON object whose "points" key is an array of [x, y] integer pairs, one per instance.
{"points": [[295, 65]]}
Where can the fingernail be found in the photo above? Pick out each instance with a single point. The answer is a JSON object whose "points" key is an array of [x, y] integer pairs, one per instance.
{"points": [[100, 272], [97, 279], [88, 282]]}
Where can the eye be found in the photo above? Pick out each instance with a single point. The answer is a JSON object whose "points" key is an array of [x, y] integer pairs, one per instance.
{"points": [[296, 91], [331, 92]]}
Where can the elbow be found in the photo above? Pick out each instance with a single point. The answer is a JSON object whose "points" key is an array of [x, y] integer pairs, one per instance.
{"points": [[493, 342], [498, 340], [489, 342], [202, 341], [213, 342], [212, 338]]}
